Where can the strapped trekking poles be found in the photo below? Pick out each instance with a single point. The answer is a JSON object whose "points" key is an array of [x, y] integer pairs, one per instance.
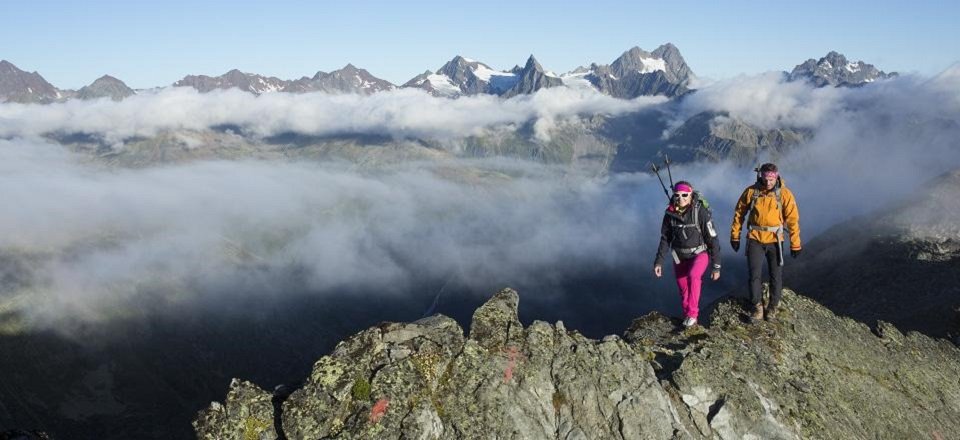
{"points": [[656, 170]]}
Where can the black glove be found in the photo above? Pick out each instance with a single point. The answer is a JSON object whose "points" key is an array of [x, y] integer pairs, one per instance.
{"points": [[735, 244], [795, 253]]}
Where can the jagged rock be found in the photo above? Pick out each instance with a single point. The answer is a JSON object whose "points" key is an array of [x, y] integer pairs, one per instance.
{"points": [[811, 374], [247, 414], [496, 324], [815, 375]]}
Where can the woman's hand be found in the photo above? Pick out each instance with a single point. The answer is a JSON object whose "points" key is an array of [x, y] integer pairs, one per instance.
{"points": [[658, 270], [715, 275]]}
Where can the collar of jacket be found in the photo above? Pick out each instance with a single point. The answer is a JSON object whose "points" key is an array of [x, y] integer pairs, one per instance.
{"points": [[671, 211]]}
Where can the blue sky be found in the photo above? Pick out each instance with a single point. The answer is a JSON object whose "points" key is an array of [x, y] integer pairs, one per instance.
{"points": [[150, 44]]}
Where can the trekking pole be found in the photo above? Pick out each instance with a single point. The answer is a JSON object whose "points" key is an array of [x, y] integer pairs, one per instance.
{"points": [[666, 160], [657, 171]]}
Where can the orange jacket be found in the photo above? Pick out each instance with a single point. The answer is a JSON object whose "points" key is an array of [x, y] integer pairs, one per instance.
{"points": [[765, 214]]}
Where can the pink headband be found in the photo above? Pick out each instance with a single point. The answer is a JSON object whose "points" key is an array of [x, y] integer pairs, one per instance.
{"points": [[682, 187], [769, 174]]}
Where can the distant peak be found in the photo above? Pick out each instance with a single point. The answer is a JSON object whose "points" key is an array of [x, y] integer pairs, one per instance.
{"points": [[835, 57], [666, 49], [8, 66], [635, 52], [532, 64]]}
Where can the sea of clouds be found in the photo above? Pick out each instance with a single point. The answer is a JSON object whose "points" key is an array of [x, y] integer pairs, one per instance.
{"points": [[78, 241]]}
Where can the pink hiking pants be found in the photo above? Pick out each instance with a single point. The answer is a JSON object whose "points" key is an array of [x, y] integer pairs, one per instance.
{"points": [[689, 278]]}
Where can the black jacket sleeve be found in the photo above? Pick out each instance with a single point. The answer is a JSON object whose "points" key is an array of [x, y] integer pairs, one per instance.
{"points": [[710, 237], [665, 236]]}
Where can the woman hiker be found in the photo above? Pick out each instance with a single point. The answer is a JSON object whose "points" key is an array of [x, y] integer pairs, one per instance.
{"points": [[688, 235]]}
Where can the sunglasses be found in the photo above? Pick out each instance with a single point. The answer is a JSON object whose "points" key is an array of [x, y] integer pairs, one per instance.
{"points": [[682, 195]]}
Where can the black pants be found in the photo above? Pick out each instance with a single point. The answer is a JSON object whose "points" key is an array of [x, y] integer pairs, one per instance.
{"points": [[756, 254]]}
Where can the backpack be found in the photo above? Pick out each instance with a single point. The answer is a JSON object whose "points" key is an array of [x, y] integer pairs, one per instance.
{"points": [[757, 188]]}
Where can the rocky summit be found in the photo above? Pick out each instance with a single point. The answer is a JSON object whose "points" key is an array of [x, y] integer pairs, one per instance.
{"points": [[810, 374]]}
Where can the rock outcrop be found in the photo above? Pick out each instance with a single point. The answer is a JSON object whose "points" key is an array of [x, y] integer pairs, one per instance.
{"points": [[810, 374]]}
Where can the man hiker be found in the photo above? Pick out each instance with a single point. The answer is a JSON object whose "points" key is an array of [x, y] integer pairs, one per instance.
{"points": [[765, 209]]}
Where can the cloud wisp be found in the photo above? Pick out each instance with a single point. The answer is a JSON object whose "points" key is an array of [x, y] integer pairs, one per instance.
{"points": [[402, 113]]}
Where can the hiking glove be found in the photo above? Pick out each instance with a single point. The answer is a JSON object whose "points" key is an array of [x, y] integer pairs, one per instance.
{"points": [[735, 244], [795, 253]]}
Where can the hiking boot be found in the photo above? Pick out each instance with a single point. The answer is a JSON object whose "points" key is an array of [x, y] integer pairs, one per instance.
{"points": [[757, 314], [771, 313], [689, 322]]}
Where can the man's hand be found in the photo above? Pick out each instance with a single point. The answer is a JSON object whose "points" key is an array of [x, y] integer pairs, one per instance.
{"points": [[795, 252], [715, 275], [658, 270], [735, 245]]}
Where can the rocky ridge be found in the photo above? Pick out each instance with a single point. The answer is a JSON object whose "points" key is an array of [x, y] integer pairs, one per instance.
{"points": [[248, 82], [349, 79], [811, 374]]}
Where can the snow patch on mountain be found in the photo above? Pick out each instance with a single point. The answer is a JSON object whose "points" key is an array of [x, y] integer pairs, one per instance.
{"points": [[651, 65]]}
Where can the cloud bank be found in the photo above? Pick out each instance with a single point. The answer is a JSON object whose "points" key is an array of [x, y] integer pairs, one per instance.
{"points": [[399, 113], [107, 240]]}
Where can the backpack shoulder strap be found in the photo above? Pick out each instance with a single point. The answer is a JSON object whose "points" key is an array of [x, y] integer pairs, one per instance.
{"points": [[696, 215], [753, 203], [776, 191]]}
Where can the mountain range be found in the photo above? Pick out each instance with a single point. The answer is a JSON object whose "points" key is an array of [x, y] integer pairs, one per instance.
{"points": [[595, 144], [634, 73]]}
